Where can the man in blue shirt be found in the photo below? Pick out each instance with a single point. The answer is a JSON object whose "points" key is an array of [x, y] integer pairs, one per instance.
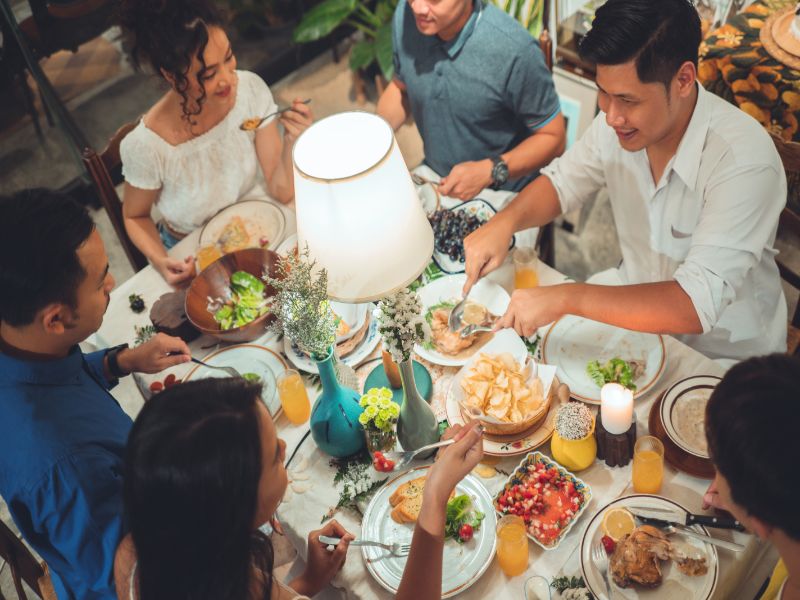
{"points": [[62, 434], [480, 93]]}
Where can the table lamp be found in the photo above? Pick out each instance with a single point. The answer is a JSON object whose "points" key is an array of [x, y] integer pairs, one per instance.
{"points": [[360, 218]]}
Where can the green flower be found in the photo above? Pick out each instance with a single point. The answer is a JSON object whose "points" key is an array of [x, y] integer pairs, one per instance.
{"points": [[363, 402], [371, 411], [363, 418], [385, 414], [380, 424], [394, 410], [383, 403], [385, 393]]}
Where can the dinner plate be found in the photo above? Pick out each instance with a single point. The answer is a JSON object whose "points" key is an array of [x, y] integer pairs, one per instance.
{"points": [[287, 245], [448, 288], [362, 350], [683, 412], [462, 564], [572, 342], [479, 208], [262, 218], [525, 441], [675, 584], [246, 358]]}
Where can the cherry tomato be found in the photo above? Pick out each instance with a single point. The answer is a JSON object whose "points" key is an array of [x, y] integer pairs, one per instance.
{"points": [[465, 532], [608, 544], [156, 386], [170, 380]]}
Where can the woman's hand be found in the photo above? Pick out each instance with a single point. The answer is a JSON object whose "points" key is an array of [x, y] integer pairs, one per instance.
{"points": [[322, 565], [454, 462], [296, 121], [176, 272]]}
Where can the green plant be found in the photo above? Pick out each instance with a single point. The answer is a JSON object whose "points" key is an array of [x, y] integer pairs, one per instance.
{"points": [[372, 18]]}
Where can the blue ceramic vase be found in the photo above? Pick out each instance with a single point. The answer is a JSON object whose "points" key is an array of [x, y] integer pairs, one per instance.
{"points": [[417, 425], [334, 418]]}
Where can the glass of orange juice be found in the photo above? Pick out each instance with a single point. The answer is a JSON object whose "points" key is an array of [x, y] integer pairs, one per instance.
{"points": [[648, 465], [512, 545], [525, 264], [294, 398]]}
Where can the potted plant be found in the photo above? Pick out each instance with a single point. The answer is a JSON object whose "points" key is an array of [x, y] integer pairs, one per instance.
{"points": [[303, 312], [373, 19], [378, 419]]}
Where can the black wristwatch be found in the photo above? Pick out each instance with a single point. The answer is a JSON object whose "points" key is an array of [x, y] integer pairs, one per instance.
{"points": [[499, 172], [113, 364]]}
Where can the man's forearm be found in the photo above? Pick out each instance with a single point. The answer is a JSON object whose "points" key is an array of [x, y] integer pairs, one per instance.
{"points": [[536, 205], [423, 573], [537, 150], [661, 307]]}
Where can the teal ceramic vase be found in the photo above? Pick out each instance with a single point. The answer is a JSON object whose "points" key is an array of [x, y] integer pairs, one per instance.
{"points": [[417, 425], [334, 418]]}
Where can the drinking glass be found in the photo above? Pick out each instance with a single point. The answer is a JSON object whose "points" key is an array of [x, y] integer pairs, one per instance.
{"points": [[525, 265], [294, 398], [648, 465], [512, 545]]}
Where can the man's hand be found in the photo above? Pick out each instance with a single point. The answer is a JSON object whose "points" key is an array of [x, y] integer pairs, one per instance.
{"points": [[296, 120], [485, 249], [322, 565], [531, 308], [467, 179], [152, 356], [176, 272], [711, 499]]}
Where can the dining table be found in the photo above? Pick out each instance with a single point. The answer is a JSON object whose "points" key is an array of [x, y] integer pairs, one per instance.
{"points": [[313, 493]]}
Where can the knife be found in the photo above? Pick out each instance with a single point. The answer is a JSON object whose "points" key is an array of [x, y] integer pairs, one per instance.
{"points": [[679, 529], [681, 517]]}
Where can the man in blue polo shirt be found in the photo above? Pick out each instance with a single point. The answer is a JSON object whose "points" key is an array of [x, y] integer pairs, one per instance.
{"points": [[481, 95], [62, 434]]}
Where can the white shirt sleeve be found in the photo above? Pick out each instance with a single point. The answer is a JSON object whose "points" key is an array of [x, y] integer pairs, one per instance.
{"points": [[142, 166], [739, 219], [578, 174]]}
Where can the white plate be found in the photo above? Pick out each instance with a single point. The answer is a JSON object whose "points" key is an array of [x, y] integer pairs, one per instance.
{"points": [[448, 288], [675, 584], [246, 358], [352, 314], [481, 209], [572, 342], [690, 390], [462, 564], [263, 219], [362, 351], [506, 341], [287, 245]]}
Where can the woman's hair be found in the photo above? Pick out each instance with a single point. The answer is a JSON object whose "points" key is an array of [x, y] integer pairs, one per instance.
{"points": [[192, 469], [166, 34]]}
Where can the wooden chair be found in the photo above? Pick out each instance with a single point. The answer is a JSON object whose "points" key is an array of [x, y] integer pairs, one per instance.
{"points": [[789, 230], [105, 171], [24, 566]]}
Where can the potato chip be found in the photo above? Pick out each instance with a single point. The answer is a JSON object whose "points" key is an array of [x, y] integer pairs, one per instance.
{"points": [[496, 386]]}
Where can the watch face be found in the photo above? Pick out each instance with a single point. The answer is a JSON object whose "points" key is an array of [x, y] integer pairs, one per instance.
{"points": [[500, 172]]}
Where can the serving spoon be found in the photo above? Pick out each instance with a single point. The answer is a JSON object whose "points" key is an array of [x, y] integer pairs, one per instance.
{"points": [[252, 124]]}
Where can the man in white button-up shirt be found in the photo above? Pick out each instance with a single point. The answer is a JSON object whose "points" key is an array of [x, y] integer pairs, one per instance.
{"points": [[696, 189]]}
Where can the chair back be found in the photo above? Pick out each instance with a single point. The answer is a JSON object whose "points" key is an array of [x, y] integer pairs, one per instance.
{"points": [[105, 171], [789, 229], [66, 24], [24, 566]]}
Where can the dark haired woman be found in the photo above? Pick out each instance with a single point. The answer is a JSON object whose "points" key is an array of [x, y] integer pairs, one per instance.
{"points": [[188, 153], [204, 469]]}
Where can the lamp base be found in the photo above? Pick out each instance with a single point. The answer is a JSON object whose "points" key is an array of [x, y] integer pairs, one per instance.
{"points": [[615, 448], [377, 378]]}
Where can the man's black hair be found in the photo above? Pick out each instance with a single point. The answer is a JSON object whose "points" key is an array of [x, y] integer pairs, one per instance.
{"points": [[751, 425], [40, 231], [660, 35]]}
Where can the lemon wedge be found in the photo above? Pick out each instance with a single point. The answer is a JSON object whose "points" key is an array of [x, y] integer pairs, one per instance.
{"points": [[617, 522]]}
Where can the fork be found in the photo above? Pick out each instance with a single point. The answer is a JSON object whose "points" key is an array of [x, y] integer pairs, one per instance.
{"points": [[395, 548], [229, 370], [401, 458], [262, 119], [600, 559]]}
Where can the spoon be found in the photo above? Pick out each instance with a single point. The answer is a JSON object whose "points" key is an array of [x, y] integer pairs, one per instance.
{"points": [[454, 320], [251, 124]]}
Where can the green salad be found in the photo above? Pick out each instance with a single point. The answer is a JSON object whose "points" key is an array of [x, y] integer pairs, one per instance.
{"points": [[615, 370], [244, 305], [462, 519], [252, 377]]}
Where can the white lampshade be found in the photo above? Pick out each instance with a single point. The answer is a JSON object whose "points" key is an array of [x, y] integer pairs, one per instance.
{"points": [[357, 208]]}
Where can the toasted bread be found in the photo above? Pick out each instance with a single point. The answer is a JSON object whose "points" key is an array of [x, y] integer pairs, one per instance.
{"points": [[407, 501]]}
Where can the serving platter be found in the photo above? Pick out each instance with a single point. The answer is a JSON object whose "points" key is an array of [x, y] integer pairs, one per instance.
{"points": [[246, 358], [449, 289], [572, 342], [675, 584], [462, 564]]}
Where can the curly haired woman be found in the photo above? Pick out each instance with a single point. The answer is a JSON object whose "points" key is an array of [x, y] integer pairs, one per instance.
{"points": [[188, 154]]}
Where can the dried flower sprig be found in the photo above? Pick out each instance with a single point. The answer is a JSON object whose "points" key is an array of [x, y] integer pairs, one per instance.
{"points": [[401, 324], [301, 306]]}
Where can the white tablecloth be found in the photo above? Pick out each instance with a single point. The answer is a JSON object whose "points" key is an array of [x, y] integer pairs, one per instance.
{"points": [[740, 575]]}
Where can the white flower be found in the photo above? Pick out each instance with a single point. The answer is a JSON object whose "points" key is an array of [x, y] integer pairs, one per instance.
{"points": [[401, 324]]}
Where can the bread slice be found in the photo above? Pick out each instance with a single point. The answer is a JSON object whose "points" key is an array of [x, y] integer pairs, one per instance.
{"points": [[407, 501]]}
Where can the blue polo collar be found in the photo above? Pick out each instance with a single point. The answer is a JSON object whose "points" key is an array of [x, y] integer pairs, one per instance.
{"points": [[454, 46]]}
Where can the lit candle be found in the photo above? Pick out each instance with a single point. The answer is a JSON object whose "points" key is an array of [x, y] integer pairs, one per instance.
{"points": [[616, 408]]}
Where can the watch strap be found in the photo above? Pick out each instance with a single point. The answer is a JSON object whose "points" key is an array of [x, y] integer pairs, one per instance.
{"points": [[113, 363]]}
